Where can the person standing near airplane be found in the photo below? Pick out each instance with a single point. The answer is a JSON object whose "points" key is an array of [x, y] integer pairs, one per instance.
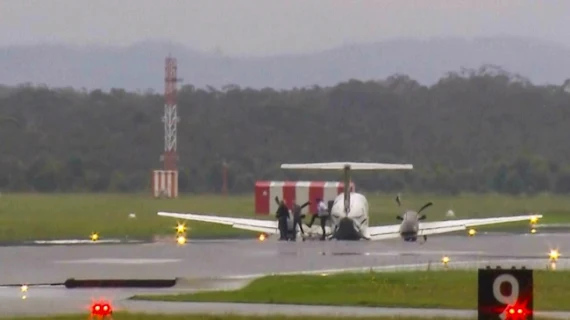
{"points": [[322, 214], [282, 215], [298, 217]]}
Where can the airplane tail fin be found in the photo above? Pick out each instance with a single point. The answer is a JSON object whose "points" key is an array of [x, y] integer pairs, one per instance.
{"points": [[346, 167]]}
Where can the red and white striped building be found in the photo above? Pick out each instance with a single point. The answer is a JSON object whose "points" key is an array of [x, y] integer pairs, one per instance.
{"points": [[298, 191], [165, 183]]}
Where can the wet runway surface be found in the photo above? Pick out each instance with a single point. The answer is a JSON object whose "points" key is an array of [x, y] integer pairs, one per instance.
{"points": [[202, 261]]}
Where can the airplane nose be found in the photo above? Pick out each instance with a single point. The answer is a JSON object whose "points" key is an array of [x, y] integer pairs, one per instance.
{"points": [[346, 223], [408, 227], [347, 230]]}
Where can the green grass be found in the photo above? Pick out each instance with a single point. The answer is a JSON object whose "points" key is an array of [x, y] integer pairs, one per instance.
{"points": [[42, 216], [421, 289], [131, 316]]}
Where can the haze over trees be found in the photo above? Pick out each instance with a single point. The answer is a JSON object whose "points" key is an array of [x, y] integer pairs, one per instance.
{"points": [[479, 130], [141, 65]]}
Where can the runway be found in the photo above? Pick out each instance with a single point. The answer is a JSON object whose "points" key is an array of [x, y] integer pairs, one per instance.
{"points": [[231, 263]]}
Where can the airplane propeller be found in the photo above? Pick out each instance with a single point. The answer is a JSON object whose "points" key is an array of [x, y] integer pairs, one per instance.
{"points": [[399, 205], [425, 206], [423, 216]]}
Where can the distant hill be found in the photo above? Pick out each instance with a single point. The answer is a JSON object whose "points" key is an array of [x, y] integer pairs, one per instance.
{"points": [[140, 66]]}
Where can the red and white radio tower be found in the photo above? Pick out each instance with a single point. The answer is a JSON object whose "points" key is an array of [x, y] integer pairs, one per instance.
{"points": [[170, 118]]}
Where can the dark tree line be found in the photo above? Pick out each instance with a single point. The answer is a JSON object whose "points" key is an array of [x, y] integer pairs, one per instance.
{"points": [[474, 131]]}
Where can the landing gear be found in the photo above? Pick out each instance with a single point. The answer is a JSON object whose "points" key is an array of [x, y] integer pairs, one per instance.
{"points": [[415, 239]]}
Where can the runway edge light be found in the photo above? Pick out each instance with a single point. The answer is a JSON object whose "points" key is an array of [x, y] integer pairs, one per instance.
{"points": [[24, 291], [445, 261], [180, 228], [181, 233], [554, 255], [181, 239]]}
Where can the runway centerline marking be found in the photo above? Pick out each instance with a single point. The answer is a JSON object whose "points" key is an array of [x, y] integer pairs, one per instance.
{"points": [[117, 261]]}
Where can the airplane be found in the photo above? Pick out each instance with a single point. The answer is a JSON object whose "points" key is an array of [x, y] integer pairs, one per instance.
{"points": [[349, 215]]}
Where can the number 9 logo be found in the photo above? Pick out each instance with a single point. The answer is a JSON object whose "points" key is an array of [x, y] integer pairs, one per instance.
{"points": [[515, 290]]}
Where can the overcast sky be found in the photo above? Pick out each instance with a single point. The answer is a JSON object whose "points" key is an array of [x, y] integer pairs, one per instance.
{"points": [[263, 27]]}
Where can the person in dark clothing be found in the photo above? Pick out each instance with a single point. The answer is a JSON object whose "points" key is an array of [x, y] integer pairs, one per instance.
{"points": [[282, 215], [298, 216], [315, 215]]}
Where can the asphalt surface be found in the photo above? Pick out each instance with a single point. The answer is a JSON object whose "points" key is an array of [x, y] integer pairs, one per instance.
{"points": [[231, 264]]}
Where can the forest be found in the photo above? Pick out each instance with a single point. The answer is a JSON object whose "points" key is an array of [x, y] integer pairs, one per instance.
{"points": [[474, 131]]}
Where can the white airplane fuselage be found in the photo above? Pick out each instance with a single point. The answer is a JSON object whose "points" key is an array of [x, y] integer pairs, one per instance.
{"points": [[351, 225]]}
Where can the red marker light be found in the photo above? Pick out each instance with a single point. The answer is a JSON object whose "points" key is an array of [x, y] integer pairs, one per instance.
{"points": [[101, 309], [515, 312]]}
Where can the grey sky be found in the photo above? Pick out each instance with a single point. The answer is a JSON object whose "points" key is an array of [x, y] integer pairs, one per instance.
{"points": [[261, 27]]}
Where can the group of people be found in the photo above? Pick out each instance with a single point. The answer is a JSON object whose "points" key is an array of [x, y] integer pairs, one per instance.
{"points": [[282, 216]]}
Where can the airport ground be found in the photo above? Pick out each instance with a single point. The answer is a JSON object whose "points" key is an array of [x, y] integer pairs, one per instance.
{"points": [[454, 289], [227, 264], [64, 216], [232, 264]]}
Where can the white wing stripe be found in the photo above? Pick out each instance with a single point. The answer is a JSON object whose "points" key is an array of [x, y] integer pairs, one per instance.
{"points": [[223, 220], [353, 166]]}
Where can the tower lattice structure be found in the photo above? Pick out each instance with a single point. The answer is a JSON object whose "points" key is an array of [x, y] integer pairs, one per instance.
{"points": [[170, 118]]}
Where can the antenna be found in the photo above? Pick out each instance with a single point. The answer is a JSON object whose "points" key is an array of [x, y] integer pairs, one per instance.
{"points": [[170, 118], [166, 181]]}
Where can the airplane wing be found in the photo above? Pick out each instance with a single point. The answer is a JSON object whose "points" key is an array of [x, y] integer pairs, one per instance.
{"points": [[468, 223], [439, 227], [257, 225], [383, 232], [393, 231]]}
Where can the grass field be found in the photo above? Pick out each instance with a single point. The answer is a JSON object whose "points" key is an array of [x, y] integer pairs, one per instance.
{"points": [[421, 289], [60, 216], [127, 316]]}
